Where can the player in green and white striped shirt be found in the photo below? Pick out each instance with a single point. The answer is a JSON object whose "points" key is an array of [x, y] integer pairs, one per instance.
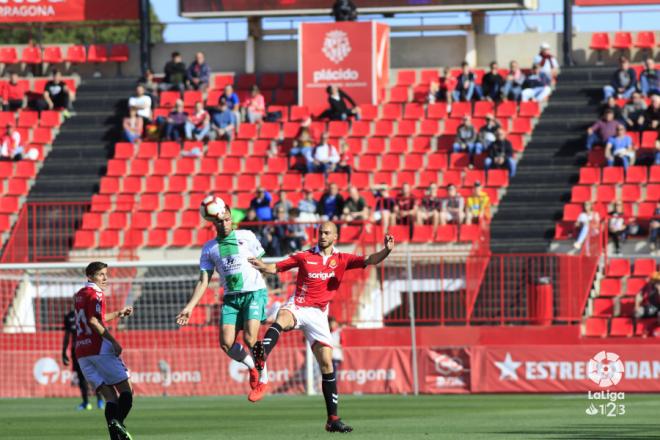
{"points": [[245, 297]]}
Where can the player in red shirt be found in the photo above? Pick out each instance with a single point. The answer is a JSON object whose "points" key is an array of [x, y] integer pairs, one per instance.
{"points": [[320, 271], [98, 351]]}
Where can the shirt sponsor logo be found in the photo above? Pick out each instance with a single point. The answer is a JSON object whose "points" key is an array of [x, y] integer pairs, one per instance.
{"points": [[321, 275]]}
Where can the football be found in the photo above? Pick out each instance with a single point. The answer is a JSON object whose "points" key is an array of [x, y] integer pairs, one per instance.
{"points": [[212, 208]]}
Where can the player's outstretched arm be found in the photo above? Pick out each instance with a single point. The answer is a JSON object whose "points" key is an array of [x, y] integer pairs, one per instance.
{"points": [[203, 282], [262, 267], [126, 311], [379, 256]]}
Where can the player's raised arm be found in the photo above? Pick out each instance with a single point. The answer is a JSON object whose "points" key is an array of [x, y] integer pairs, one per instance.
{"points": [[263, 267], [126, 311], [379, 256], [202, 283]]}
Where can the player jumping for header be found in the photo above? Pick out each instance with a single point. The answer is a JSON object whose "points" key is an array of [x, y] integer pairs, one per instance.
{"points": [[98, 351], [320, 271], [245, 297]]}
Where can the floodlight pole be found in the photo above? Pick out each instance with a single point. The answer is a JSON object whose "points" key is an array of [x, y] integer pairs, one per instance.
{"points": [[145, 36], [568, 33]]}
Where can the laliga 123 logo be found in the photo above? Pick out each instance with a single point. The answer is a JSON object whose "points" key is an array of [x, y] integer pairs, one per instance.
{"points": [[336, 46], [605, 369]]}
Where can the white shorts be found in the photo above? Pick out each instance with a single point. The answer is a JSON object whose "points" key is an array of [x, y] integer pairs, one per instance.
{"points": [[312, 321], [103, 369]]}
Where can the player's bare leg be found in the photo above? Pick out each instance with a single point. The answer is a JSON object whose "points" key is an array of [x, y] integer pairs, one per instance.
{"points": [[250, 334], [323, 355], [113, 411], [284, 321], [236, 351]]}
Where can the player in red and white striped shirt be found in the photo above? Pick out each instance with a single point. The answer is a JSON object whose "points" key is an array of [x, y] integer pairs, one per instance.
{"points": [[320, 271]]}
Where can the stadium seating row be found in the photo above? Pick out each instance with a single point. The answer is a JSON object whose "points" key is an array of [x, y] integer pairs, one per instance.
{"points": [[75, 54], [623, 40]]}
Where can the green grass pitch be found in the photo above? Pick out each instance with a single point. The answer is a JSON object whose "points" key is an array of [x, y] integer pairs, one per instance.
{"points": [[373, 417]]}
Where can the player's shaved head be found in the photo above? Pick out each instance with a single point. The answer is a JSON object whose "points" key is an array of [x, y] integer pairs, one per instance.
{"points": [[327, 235]]}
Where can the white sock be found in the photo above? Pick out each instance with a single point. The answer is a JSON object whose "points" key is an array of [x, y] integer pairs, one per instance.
{"points": [[238, 353], [263, 375]]}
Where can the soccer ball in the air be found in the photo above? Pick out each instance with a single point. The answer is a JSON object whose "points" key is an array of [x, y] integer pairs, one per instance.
{"points": [[212, 208]]}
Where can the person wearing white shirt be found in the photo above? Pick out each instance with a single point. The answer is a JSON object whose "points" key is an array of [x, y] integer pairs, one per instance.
{"points": [[10, 144], [326, 156], [141, 102], [547, 62]]}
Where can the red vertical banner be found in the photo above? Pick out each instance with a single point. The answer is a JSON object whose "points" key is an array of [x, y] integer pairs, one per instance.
{"points": [[346, 54]]}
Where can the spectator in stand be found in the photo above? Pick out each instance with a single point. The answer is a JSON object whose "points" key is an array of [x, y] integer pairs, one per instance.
{"points": [[654, 230], [633, 112], [133, 126], [355, 208], [199, 123], [254, 108], [611, 104], [492, 84], [619, 149], [303, 149], [602, 130], [233, 102], [283, 203], [341, 106], [406, 206], [224, 122], [515, 79], [331, 205], [477, 205], [308, 207], [536, 86], [175, 74], [10, 144], [487, 132], [198, 73], [466, 139], [384, 209], [623, 83], [430, 207], [142, 103], [588, 223], [151, 87], [650, 120], [617, 226], [296, 236], [647, 302], [452, 208], [443, 89], [57, 95], [649, 79], [547, 62], [500, 154], [261, 205], [466, 86], [345, 164], [257, 230], [326, 156], [14, 95], [277, 233], [175, 124]]}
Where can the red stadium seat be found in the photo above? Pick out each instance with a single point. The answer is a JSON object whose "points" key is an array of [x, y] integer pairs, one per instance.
{"points": [[618, 267], [399, 94], [108, 239], [483, 108], [389, 162], [595, 327], [497, 178], [631, 193], [406, 128], [645, 40], [581, 194], [472, 176], [383, 129], [391, 112], [246, 131], [401, 233], [119, 53], [452, 177], [589, 176], [191, 97], [8, 55], [97, 53], [634, 286], [622, 40], [166, 219], [299, 113], [572, 211], [460, 109], [383, 178], [644, 267], [31, 55], [606, 193], [601, 307], [600, 41], [52, 55], [76, 54], [610, 287], [612, 175], [429, 75], [222, 80], [157, 238], [621, 327], [436, 111], [173, 202], [292, 182], [414, 111], [406, 77], [470, 233], [50, 119], [446, 234]]}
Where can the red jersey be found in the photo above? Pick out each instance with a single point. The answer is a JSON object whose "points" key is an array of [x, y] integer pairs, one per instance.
{"points": [[89, 302], [319, 276]]}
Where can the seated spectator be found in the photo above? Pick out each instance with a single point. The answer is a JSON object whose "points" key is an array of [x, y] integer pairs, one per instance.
{"points": [[650, 120], [623, 83], [487, 132], [602, 130], [536, 86], [647, 302], [175, 124], [477, 206], [308, 207], [617, 226], [133, 126], [654, 230], [11, 147], [633, 112], [345, 164], [198, 73], [233, 102], [492, 84], [254, 107], [296, 236], [619, 149], [405, 209], [57, 95], [547, 62], [514, 82], [326, 156], [500, 154], [384, 209], [277, 234], [199, 123], [466, 139], [142, 103], [466, 85], [341, 106], [443, 89], [429, 207], [13, 95], [611, 104], [151, 87], [452, 208], [331, 205], [588, 223], [303, 149], [261, 205], [248, 224], [649, 79], [224, 122], [175, 74], [283, 203], [355, 208]]}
